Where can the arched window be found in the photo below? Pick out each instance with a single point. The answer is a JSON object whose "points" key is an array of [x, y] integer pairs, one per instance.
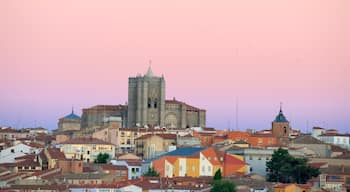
{"points": [[285, 130], [149, 103], [155, 103]]}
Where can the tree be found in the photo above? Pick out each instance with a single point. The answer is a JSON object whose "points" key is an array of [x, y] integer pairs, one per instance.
{"points": [[217, 175], [151, 173], [287, 169], [102, 158], [223, 186]]}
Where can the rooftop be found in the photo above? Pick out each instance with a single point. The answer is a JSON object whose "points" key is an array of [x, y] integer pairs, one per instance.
{"points": [[84, 140], [186, 151]]}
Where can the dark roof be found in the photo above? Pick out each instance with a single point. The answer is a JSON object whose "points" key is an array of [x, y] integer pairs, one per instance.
{"points": [[336, 169], [186, 151], [280, 118], [84, 140], [164, 136], [307, 139], [72, 116]]}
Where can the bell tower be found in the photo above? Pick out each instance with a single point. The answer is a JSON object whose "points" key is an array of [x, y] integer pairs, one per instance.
{"points": [[146, 100], [280, 126]]}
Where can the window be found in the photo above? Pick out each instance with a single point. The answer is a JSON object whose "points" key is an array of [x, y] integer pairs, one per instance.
{"points": [[259, 158], [133, 170], [285, 130], [128, 142], [117, 173], [267, 158], [88, 152], [12, 150], [149, 103], [26, 167], [137, 170], [33, 167], [250, 157], [209, 169], [260, 140], [251, 169], [123, 134], [155, 103], [123, 173], [203, 168], [19, 167]]}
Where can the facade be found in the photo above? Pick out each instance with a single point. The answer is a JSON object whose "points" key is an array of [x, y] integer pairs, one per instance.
{"points": [[151, 145], [335, 178], [86, 149], [319, 148], [70, 122], [53, 155], [280, 126], [317, 131], [198, 161], [257, 158], [8, 155], [147, 105], [339, 139], [103, 115], [134, 168]]}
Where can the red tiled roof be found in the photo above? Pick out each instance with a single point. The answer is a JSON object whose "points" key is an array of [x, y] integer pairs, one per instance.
{"points": [[112, 167], [55, 153], [134, 163], [84, 140], [36, 145], [164, 136], [317, 164], [334, 134]]}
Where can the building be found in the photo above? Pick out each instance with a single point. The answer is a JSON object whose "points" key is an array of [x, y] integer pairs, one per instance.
{"points": [[70, 122], [198, 161], [147, 105], [335, 178], [134, 168], [8, 155], [319, 148], [342, 140], [291, 187], [257, 158], [151, 145], [53, 155], [86, 149], [103, 115], [280, 126], [317, 131]]}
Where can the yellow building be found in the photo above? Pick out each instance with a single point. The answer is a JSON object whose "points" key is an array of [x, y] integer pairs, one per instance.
{"points": [[86, 149], [291, 187], [53, 155], [150, 145]]}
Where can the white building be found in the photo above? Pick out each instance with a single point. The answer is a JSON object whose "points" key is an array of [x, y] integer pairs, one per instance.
{"points": [[317, 131], [342, 140], [134, 168], [8, 155]]}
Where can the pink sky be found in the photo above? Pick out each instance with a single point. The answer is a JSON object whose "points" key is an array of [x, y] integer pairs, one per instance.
{"points": [[55, 54]]}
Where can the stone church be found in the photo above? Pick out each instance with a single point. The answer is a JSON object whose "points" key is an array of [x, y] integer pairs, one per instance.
{"points": [[146, 106]]}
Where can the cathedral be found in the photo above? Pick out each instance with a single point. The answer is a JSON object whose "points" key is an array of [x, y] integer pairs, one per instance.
{"points": [[147, 106]]}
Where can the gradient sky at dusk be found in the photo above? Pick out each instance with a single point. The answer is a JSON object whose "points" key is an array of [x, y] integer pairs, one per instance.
{"points": [[55, 54]]}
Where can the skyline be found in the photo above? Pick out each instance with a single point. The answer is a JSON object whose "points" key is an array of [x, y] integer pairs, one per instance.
{"points": [[57, 55]]}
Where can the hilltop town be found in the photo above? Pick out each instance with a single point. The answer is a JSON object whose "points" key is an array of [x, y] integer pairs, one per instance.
{"points": [[156, 144]]}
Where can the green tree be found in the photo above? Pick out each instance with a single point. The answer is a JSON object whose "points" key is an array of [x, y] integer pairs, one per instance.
{"points": [[151, 173], [102, 158], [217, 175], [287, 169], [223, 186]]}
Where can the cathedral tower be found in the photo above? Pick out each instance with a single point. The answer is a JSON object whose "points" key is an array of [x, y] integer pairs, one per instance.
{"points": [[146, 100]]}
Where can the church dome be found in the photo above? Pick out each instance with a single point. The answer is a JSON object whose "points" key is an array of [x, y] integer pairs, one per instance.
{"points": [[72, 116]]}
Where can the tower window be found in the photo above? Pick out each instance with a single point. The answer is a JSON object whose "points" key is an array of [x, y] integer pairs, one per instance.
{"points": [[149, 103], [285, 130], [155, 103]]}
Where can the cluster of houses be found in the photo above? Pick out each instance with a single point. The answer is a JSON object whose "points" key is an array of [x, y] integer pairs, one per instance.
{"points": [[185, 158]]}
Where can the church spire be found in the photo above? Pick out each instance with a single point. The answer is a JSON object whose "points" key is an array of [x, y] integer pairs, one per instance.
{"points": [[149, 71], [280, 107]]}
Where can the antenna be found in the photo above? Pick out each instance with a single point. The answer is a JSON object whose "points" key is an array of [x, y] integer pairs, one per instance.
{"points": [[280, 106], [237, 113]]}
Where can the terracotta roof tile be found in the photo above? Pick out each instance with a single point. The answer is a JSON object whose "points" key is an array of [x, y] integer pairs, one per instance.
{"points": [[164, 136], [55, 153]]}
